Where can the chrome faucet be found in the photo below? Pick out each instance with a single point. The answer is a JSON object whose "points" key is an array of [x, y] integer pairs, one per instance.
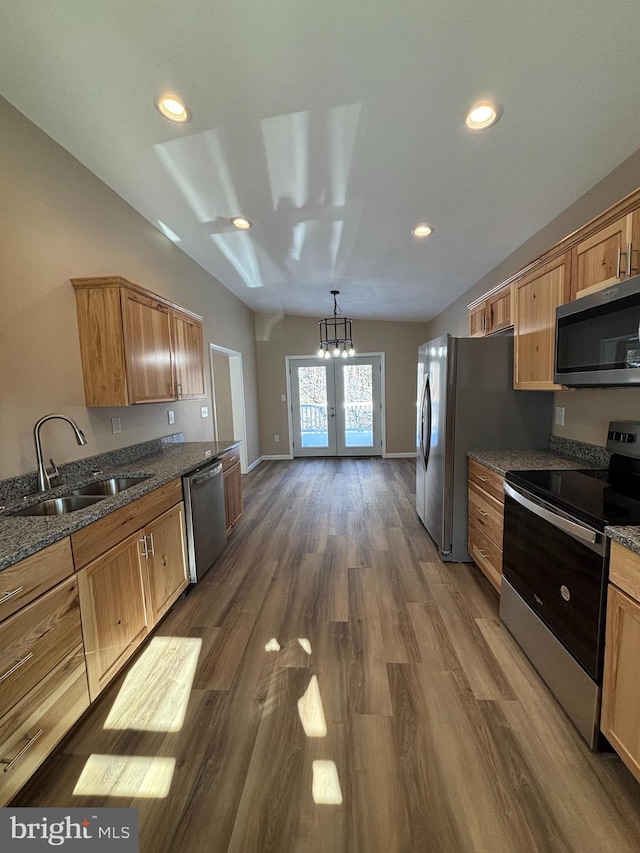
{"points": [[44, 478]]}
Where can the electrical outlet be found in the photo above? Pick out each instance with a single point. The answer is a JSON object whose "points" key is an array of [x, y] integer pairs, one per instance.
{"points": [[171, 416], [276, 438], [283, 398], [204, 411], [559, 415], [116, 426]]}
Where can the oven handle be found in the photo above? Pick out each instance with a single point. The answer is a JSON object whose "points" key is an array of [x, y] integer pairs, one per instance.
{"points": [[586, 534]]}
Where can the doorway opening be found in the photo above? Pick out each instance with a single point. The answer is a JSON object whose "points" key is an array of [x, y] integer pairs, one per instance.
{"points": [[337, 406], [227, 387]]}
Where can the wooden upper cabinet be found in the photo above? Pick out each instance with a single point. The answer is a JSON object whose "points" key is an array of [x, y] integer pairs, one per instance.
{"points": [[492, 314], [135, 346], [187, 351], [607, 257], [499, 315], [478, 320], [147, 345], [536, 296]]}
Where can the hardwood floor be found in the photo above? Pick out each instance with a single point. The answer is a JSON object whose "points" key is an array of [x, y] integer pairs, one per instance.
{"points": [[397, 715]]}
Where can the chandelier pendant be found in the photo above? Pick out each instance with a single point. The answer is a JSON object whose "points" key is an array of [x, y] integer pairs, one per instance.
{"points": [[335, 334]]}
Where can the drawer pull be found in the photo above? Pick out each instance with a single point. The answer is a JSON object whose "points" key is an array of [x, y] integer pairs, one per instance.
{"points": [[9, 595], [482, 553], [483, 513], [15, 667], [30, 742], [484, 479]]}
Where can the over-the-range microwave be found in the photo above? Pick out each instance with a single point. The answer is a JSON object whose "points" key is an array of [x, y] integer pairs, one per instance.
{"points": [[597, 337]]}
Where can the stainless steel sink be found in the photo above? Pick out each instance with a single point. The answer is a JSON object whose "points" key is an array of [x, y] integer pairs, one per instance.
{"points": [[108, 487], [58, 506]]}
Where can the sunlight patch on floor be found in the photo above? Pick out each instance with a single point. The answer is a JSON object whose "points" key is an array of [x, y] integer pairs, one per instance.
{"points": [[155, 693], [325, 787], [125, 776], [311, 711]]}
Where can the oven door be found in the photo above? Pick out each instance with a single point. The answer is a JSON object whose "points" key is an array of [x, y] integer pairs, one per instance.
{"points": [[557, 566]]}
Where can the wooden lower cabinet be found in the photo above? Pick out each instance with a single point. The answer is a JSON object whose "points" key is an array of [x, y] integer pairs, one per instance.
{"points": [[485, 515], [39, 721], [166, 562], [232, 488], [620, 720], [114, 613], [127, 590]]}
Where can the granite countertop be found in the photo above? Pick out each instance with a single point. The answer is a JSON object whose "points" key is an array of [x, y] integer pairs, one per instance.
{"points": [[21, 536], [502, 461], [627, 536]]}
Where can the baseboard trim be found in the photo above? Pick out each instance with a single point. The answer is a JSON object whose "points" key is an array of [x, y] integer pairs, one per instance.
{"points": [[400, 455], [254, 464], [276, 457]]}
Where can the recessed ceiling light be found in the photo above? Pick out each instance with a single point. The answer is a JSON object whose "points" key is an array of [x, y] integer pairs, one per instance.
{"points": [[482, 115], [422, 230], [172, 108], [241, 222]]}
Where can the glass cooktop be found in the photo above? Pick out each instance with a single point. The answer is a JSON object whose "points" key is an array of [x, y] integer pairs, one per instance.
{"points": [[597, 498]]}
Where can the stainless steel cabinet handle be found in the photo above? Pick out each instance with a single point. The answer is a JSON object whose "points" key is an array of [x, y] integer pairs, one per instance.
{"points": [[152, 547], [482, 553], [483, 513], [145, 553], [9, 595], [16, 666], [484, 479], [630, 269], [10, 762], [618, 262]]}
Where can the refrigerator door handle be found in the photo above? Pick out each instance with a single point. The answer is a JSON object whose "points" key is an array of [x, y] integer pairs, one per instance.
{"points": [[426, 440]]}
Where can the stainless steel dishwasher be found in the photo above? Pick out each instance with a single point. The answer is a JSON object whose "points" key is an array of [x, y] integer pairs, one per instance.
{"points": [[205, 517]]}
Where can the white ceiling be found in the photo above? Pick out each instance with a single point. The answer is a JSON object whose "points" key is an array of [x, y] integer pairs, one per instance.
{"points": [[335, 126]]}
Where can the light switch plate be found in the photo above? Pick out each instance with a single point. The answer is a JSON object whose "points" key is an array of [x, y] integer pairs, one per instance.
{"points": [[204, 411], [559, 415], [171, 416], [116, 425]]}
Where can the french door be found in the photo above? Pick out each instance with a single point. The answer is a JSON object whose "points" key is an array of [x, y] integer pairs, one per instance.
{"points": [[336, 406]]}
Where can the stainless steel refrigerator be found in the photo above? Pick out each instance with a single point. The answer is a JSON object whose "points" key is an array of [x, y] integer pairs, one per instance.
{"points": [[466, 402]]}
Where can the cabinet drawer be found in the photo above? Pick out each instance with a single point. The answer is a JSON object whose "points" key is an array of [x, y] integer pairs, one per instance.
{"points": [[229, 459], [486, 513], [37, 638], [33, 576], [487, 480], [94, 539], [486, 554], [33, 727]]}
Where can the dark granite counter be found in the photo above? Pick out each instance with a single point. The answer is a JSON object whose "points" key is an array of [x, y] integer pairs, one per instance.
{"points": [[627, 536], [21, 536], [502, 461]]}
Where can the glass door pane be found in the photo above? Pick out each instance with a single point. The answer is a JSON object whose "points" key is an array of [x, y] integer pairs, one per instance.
{"points": [[358, 411], [313, 408]]}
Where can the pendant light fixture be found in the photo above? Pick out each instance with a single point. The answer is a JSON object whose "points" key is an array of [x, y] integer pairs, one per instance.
{"points": [[335, 334]]}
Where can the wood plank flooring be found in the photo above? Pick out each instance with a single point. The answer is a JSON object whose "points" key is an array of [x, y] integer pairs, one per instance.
{"points": [[427, 731]]}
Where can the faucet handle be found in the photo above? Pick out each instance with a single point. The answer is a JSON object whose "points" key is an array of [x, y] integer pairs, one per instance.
{"points": [[54, 473]]}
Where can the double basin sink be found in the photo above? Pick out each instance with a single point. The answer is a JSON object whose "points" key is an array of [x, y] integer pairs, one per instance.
{"points": [[79, 498]]}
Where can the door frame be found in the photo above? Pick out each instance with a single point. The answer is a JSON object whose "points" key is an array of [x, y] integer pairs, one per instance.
{"points": [[238, 415], [288, 359]]}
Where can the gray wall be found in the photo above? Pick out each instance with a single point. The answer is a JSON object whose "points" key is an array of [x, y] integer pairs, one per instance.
{"points": [[58, 221]]}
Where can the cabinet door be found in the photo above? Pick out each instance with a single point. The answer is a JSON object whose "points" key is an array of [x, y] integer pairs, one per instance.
{"points": [[166, 563], [188, 357], [499, 311], [112, 606], [478, 321], [537, 296], [232, 495], [621, 689], [608, 256], [148, 349]]}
